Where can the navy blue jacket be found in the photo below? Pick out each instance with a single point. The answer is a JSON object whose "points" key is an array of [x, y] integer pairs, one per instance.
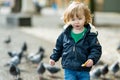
{"points": [[75, 54]]}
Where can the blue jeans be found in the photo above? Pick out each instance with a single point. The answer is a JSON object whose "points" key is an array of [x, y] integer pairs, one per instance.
{"points": [[76, 75]]}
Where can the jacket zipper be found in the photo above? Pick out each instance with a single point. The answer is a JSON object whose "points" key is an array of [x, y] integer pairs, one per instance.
{"points": [[74, 48]]}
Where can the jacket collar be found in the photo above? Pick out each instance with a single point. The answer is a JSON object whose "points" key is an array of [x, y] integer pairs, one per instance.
{"points": [[90, 29]]}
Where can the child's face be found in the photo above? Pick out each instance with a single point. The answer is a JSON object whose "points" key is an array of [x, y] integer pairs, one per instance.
{"points": [[78, 23]]}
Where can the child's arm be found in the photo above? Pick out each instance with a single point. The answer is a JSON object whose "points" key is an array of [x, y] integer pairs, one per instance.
{"points": [[57, 51], [95, 49]]}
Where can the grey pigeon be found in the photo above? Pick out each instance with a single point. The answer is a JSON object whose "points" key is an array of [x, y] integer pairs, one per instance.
{"points": [[16, 59], [104, 70], [41, 49], [96, 73], [24, 46], [115, 68], [41, 70], [52, 69], [15, 71], [118, 48], [12, 53], [8, 40], [36, 59]]}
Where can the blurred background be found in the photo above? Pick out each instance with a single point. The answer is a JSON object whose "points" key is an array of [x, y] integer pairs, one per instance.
{"points": [[37, 23]]}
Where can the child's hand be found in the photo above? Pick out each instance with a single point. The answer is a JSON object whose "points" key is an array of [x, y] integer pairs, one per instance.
{"points": [[88, 63], [52, 62]]}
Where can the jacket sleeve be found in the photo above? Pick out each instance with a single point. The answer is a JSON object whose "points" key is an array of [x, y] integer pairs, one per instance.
{"points": [[94, 48], [57, 51]]}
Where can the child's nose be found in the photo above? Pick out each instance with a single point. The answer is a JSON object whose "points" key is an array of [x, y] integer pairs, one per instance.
{"points": [[77, 21]]}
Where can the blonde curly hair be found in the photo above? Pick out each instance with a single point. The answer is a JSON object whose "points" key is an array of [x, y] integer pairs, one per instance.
{"points": [[77, 8]]}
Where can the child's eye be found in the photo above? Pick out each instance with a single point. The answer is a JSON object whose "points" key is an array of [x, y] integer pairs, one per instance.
{"points": [[80, 18], [73, 19]]}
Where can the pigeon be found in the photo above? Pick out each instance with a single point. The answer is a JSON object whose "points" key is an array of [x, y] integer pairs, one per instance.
{"points": [[36, 59], [24, 46], [115, 68], [12, 54], [8, 40], [15, 71], [41, 49], [52, 69], [16, 59], [96, 73], [118, 49], [99, 63], [104, 70], [41, 70]]}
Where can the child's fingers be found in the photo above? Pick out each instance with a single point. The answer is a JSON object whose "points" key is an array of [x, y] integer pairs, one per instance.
{"points": [[52, 62], [84, 65], [88, 63]]}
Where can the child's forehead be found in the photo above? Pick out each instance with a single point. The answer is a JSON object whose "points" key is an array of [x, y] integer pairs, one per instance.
{"points": [[77, 13]]}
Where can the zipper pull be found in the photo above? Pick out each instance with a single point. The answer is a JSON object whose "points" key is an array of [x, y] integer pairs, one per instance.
{"points": [[73, 48]]}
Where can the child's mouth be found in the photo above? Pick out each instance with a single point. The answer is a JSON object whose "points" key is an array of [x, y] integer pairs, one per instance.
{"points": [[77, 26]]}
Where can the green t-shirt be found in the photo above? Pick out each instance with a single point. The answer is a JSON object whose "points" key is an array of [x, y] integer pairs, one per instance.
{"points": [[78, 36]]}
